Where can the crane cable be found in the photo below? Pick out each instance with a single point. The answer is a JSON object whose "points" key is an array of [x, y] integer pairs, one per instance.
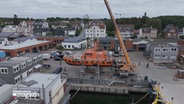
{"points": [[141, 98]]}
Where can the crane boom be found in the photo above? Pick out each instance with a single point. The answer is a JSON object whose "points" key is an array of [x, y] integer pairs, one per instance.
{"points": [[128, 66]]}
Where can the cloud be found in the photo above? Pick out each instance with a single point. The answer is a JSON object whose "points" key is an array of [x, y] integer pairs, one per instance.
{"points": [[94, 8]]}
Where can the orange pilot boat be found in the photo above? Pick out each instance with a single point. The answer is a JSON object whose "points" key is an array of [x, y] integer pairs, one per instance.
{"points": [[90, 57]]}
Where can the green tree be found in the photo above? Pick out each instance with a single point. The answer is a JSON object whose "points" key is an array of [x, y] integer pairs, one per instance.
{"points": [[78, 31]]}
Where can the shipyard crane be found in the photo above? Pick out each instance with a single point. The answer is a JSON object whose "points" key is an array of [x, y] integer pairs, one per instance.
{"points": [[126, 68]]}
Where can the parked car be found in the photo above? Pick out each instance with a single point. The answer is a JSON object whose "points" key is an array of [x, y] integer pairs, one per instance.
{"points": [[57, 58], [46, 56], [116, 54], [46, 65], [58, 70], [121, 53], [61, 56], [53, 54]]}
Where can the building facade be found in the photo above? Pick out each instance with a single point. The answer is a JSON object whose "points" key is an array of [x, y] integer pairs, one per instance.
{"points": [[106, 43], [16, 69], [4, 41], [139, 44], [10, 28], [180, 43], [31, 46], [71, 31], [127, 31], [6, 93], [95, 29], [171, 31], [74, 43], [147, 33], [111, 43], [41, 28], [26, 27], [162, 52], [54, 39]]}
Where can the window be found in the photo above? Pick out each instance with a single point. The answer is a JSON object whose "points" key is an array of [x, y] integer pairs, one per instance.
{"points": [[72, 46], [34, 59], [164, 56], [157, 56], [173, 49], [16, 69], [23, 65], [157, 49], [68, 46], [4, 70]]}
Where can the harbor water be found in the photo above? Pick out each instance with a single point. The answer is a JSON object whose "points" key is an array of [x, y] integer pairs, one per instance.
{"points": [[101, 98]]}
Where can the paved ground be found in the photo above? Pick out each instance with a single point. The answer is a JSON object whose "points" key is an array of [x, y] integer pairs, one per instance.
{"points": [[170, 86], [163, 75]]}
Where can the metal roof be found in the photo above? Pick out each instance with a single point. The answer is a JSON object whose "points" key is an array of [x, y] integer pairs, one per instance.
{"points": [[75, 39], [17, 60], [6, 34], [2, 82], [22, 39], [38, 23], [15, 35], [24, 44], [40, 79]]}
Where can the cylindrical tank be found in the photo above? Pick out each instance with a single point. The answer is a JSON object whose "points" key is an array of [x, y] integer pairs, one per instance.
{"points": [[2, 54]]}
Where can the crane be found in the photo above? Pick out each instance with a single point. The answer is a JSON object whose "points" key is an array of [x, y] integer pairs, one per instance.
{"points": [[126, 68]]}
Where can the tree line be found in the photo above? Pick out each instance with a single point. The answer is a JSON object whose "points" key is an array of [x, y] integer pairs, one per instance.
{"points": [[159, 22]]}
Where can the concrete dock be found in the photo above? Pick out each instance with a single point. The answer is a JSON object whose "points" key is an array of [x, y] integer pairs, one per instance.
{"points": [[107, 86]]}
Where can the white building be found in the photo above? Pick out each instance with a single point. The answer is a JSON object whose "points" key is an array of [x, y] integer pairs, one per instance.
{"points": [[42, 87], [71, 31], [10, 28], [147, 33], [95, 29], [74, 43], [127, 31], [162, 52], [26, 27], [4, 42], [6, 93], [41, 28], [16, 69]]}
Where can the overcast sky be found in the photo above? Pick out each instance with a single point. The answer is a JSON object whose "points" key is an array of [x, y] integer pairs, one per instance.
{"points": [[94, 8]]}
